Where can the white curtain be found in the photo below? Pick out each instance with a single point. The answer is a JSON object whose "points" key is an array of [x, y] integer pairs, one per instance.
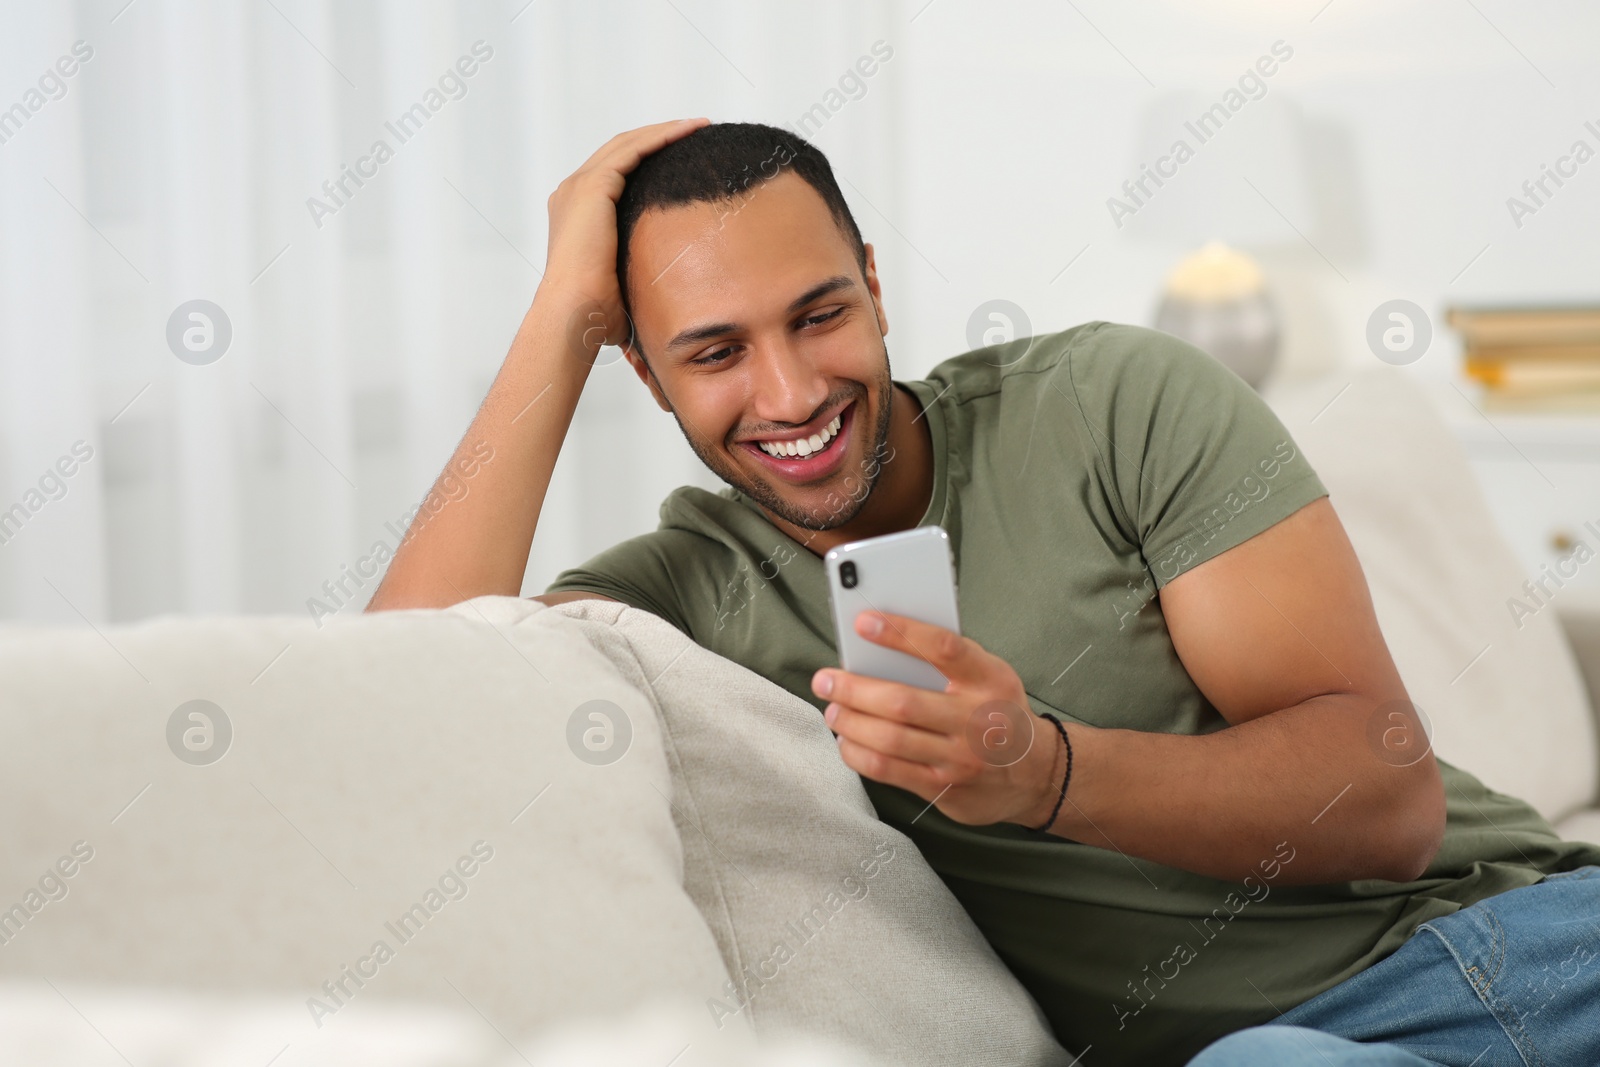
{"points": [[176, 163]]}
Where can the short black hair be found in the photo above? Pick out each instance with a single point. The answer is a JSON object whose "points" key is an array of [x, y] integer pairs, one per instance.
{"points": [[722, 161]]}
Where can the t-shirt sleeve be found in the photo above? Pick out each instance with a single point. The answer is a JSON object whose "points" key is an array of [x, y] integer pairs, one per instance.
{"points": [[1192, 457], [639, 572]]}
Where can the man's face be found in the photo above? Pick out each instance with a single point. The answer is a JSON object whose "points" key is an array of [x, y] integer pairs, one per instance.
{"points": [[760, 328]]}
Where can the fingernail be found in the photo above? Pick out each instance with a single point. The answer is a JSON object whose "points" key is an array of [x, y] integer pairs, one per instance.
{"points": [[822, 683], [872, 625], [830, 713]]}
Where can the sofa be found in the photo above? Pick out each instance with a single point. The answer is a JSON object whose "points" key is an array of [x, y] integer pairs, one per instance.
{"points": [[509, 833], [498, 833]]}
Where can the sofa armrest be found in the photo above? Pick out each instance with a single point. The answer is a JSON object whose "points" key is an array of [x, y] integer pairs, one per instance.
{"points": [[1582, 626], [1581, 623]]}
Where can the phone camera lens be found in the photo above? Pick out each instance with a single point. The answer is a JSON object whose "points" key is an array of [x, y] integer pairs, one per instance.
{"points": [[847, 574]]}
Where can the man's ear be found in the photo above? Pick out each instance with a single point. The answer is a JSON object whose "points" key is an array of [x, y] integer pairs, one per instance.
{"points": [[876, 290], [636, 360]]}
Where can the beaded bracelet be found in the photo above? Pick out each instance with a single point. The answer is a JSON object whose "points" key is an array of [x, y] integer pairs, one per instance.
{"points": [[1065, 778]]}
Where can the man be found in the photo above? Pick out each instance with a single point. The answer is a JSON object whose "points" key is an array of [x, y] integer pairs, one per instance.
{"points": [[1250, 816]]}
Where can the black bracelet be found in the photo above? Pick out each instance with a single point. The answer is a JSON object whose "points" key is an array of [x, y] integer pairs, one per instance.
{"points": [[1065, 778]]}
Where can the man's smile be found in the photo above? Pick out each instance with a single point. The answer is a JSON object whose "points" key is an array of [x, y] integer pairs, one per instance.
{"points": [[809, 453]]}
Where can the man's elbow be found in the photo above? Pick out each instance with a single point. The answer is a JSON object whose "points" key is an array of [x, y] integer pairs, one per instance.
{"points": [[1415, 826]]}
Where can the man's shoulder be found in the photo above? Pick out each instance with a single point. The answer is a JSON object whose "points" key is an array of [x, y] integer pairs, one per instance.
{"points": [[669, 570], [710, 514], [1097, 353], [1087, 370]]}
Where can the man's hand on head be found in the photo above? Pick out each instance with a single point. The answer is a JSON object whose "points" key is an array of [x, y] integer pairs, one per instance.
{"points": [[975, 751], [581, 262], [479, 545]]}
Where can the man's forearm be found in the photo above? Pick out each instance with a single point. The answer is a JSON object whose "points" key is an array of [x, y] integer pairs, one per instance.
{"points": [[477, 544], [1221, 804]]}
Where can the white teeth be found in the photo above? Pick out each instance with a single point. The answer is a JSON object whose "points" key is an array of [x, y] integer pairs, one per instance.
{"points": [[805, 445]]}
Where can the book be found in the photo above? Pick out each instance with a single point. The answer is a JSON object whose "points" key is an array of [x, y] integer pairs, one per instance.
{"points": [[1532, 358], [1510, 328], [1535, 375]]}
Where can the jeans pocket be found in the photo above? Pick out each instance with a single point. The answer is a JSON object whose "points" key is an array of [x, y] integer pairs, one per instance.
{"points": [[1533, 958], [1477, 940]]}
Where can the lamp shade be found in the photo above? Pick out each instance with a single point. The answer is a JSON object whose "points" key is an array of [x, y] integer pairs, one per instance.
{"points": [[1202, 172]]}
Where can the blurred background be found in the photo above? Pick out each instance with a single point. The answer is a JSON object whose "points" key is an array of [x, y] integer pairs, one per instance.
{"points": [[224, 379]]}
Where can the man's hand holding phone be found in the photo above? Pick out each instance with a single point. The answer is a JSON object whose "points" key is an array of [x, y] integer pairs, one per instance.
{"points": [[975, 751]]}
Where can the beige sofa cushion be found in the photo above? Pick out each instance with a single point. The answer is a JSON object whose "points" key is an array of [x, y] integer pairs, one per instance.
{"points": [[1584, 826], [1506, 703], [368, 758], [830, 921]]}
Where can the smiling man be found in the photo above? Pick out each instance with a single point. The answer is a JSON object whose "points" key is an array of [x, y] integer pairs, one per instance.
{"points": [[1240, 815]]}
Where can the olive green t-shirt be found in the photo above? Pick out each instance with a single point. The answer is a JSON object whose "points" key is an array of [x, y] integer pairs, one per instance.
{"points": [[1077, 474]]}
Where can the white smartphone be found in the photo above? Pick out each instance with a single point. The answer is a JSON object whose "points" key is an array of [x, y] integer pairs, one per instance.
{"points": [[910, 573]]}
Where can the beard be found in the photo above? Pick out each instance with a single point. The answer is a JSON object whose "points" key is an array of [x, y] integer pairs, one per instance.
{"points": [[770, 497]]}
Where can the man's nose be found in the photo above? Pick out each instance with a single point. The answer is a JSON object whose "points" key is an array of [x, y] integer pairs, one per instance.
{"points": [[788, 387]]}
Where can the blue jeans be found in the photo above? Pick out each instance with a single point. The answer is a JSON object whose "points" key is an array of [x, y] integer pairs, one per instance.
{"points": [[1512, 981]]}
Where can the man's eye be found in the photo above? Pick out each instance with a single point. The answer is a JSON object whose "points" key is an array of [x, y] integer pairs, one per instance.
{"points": [[835, 313], [721, 354]]}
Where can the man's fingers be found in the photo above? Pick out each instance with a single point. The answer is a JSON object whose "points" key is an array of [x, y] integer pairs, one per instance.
{"points": [[954, 656], [624, 151], [893, 701], [917, 778], [905, 742]]}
